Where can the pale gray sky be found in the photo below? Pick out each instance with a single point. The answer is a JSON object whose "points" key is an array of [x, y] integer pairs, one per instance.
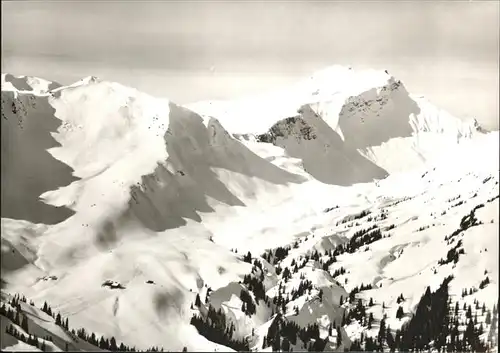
{"points": [[446, 50]]}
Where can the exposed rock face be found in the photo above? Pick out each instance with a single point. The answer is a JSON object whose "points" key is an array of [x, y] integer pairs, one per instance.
{"points": [[295, 127]]}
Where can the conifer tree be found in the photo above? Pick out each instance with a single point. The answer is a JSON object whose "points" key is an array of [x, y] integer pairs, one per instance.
{"points": [[285, 347], [488, 318], [112, 344], [276, 343], [397, 340], [400, 313], [381, 333], [390, 339], [101, 343], [24, 324], [339, 337], [370, 321]]}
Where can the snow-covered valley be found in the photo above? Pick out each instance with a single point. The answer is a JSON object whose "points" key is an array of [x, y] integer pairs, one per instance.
{"points": [[341, 214]]}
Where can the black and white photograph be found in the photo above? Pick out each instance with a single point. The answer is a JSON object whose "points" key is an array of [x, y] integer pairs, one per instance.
{"points": [[250, 176]]}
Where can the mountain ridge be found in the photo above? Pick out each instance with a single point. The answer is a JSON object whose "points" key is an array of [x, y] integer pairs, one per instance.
{"points": [[176, 218]]}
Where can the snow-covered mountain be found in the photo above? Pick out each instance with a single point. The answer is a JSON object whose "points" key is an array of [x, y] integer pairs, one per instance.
{"points": [[344, 98], [363, 122], [136, 218]]}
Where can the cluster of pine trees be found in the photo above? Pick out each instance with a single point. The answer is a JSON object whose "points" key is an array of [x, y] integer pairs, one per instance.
{"points": [[357, 313], [389, 227], [466, 222], [353, 217], [395, 203], [453, 254], [15, 317], [363, 237], [484, 283], [356, 290], [296, 266], [248, 257], [305, 285], [279, 300], [214, 328], [338, 272], [32, 340], [326, 264], [248, 306], [59, 320], [282, 333], [255, 284], [494, 197], [492, 336], [423, 228], [360, 238], [329, 209], [431, 322], [102, 342], [274, 256], [108, 344]]}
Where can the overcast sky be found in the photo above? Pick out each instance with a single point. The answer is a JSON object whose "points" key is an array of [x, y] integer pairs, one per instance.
{"points": [[190, 51]]}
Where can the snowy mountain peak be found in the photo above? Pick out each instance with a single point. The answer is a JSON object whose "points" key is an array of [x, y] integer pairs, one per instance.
{"points": [[90, 79], [252, 242], [326, 90], [344, 110], [29, 84]]}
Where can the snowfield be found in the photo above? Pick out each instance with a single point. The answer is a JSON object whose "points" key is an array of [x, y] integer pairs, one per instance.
{"points": [[311, 218]]}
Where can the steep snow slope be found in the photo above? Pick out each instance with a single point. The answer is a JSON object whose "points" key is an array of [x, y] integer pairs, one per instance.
{"points": [[27, 84], [363, 123], [144, 166], [28, 168], [157, 196], [344, 98]]}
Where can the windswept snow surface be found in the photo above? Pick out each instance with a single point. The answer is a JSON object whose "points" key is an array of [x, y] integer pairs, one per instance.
{"points": [[164, 202], [27, 84], [361, 121]]}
